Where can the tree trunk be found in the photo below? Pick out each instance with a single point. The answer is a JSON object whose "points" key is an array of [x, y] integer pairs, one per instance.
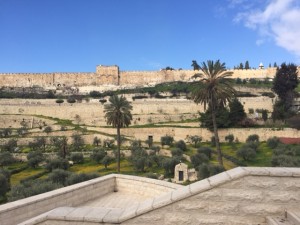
{"points": [[213, 116], [119, 147]]}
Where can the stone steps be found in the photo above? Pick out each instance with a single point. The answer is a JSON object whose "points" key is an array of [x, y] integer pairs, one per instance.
{"points": [[292, 218]]}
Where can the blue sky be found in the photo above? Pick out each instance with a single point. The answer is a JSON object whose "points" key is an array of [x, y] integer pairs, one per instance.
{"points": [[77, 35]]}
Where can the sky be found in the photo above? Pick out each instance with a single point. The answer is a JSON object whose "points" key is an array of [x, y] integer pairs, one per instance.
{"points": [[77, 35]]}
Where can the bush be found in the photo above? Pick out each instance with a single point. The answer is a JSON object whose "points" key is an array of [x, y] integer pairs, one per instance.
{"points": [[98, 155], [31, 188], [10, 146], [58, 163], [285, 161], [96, 141], [273, 142], [48, 129], [106, 161], [181, 145], [77, 142], [6, 158], [59, 101], [195, 139], [169, 165], [75, 178], [203, 171], [205, 150], [229, 138], [71, 100], [77, 157], [4, 186], [166, 140], [199, 159], [59, 176], [34, 158], [253, 138], [246, 153], [177, 152]]}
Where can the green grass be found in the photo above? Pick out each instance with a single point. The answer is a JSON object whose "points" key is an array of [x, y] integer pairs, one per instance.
{"points": [[16, 178], [263, 156]]}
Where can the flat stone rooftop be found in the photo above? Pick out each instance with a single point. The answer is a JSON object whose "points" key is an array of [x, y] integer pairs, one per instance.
{"points": [[121, 200]]}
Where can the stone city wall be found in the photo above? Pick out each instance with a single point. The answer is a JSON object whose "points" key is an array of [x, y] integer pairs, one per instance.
{"points": [[110, 75]]}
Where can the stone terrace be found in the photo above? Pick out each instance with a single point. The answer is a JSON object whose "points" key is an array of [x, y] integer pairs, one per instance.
{"points": [[241, 196]]}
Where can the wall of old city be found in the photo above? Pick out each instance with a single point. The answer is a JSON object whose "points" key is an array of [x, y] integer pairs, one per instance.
{"points": [[110, 75]]}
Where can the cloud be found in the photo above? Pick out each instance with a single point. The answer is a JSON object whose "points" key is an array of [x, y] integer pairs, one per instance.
{"points": [[278, 20]]}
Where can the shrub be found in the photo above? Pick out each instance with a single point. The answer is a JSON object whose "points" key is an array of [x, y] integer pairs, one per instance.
{"points": [[31, 188], [96, 141], [10, 146], [98, 155], [229, 138], [181, 145], [285, 161], [4, 185], [106, 161], [59, 101], [273, 142], [58, 163], [198, 159], [77, 142], [6, 158], [177, 152], [77, 157], [59, 176], [203, 171], [109, 143], [34, 158], [246, 153], [166, 140], [253, 138], [195, 139], [75, 178], [48, 129], [205, 150], [169, 165], [71, 100]]}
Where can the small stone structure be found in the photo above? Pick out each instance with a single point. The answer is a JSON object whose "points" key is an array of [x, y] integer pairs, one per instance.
{"points": [[182, 173]]}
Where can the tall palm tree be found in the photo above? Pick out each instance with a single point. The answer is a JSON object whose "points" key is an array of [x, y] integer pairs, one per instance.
{"points": [[215, 91], [118, 114]]}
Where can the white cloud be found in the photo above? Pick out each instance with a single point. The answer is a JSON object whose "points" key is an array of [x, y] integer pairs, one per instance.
{"points": [[279, 20]]}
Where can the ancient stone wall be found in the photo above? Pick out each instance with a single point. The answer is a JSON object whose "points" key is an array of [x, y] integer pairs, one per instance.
{"points": [[110, 75]]}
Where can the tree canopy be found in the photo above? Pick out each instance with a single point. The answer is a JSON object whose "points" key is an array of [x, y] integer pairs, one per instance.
{"points": [[215, 91], [118, 114]]}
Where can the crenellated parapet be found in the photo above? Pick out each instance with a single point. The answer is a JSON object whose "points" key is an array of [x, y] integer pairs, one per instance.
{"points": [[111, 75]]}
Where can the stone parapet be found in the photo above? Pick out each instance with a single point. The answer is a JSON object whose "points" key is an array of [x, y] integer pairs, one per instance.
{"points": [[238, 196]]}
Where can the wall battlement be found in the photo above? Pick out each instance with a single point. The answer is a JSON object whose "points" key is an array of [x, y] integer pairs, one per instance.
{"points": [[111, 75]]}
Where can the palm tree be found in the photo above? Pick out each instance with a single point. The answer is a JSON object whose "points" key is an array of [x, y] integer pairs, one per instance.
{"points": [[118, 114], [215, 91]]}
